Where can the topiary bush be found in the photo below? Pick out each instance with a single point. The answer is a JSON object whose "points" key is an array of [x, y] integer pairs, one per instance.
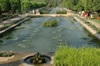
{"points": [[44, 12], [61, 12]]}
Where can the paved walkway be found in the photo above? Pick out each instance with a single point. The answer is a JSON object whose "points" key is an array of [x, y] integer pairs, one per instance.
{"points": [[16, 61], [13, 25], [92, 31], [97, 25], [10, 21], [51, 15], [8, 24]]}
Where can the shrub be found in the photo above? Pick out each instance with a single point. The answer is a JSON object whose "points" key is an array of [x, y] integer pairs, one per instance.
{"points": [[44, 12], [65, 56], [61, 12], [51, 23], [6, 54]]}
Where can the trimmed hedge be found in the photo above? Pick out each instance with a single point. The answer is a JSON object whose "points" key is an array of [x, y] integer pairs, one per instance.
{"points": [[61, 12]]}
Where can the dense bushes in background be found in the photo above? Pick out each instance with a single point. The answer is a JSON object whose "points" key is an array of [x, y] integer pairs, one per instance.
{"points": [[10, 6], [28, 5], [79, 5], [17, 6]]}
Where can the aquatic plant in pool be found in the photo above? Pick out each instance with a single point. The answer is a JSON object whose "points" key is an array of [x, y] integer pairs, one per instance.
{"points": [[51, 23], [37, 59], [65, 56]]}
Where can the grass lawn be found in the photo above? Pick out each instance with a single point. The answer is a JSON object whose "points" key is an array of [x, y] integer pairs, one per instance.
{"points": [[65, 56]]}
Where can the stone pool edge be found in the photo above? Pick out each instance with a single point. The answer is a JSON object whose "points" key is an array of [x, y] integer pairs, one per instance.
{"points": [[46, 64], [93, 32], [19, 22], [18, 59]]}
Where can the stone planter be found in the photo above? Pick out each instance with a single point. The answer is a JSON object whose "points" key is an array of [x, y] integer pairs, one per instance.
{"points": [[5, 59], [6, 56]]}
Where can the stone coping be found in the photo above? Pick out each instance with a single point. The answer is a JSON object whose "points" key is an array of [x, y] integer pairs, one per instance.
{"points": [[5, 59], [18, 59], [92, 31], [45, 64]]}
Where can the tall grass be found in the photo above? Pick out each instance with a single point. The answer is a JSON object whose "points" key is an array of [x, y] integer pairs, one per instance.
{"points": [[65, 56]]}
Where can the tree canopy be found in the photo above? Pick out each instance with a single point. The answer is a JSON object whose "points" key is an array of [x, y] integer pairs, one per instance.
{"points": [[17, 6], [79, 5]]}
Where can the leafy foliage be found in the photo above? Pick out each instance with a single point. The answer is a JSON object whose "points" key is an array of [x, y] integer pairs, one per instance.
{"points": [[28, 5], [16, 6], [79, 5], [4, 5], [37, 59], [61, 12]]}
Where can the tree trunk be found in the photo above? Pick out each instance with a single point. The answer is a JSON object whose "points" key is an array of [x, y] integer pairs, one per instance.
{"points": [[98, 12], [0, 10]]}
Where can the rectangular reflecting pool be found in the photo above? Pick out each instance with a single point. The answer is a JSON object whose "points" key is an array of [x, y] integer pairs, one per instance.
{"points": [[31, 36]]}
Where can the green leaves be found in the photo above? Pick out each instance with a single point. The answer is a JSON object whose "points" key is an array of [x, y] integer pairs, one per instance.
{"points": [[28, 5], [5, 5], [10, 5], [16, 6], [79, 5]]}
